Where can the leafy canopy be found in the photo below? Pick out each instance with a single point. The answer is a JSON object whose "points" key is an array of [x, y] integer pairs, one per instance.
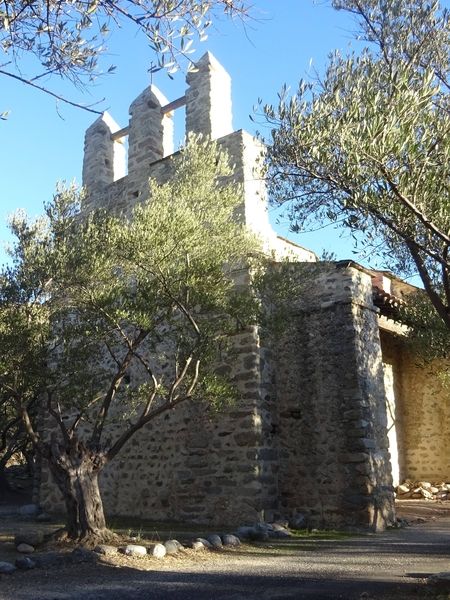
{"points": [[368, 146], [117, 321], [66, 38]]}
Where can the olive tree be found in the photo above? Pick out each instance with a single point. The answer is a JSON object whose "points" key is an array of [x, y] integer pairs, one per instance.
{"points": [[113, 322], [368, 145]]}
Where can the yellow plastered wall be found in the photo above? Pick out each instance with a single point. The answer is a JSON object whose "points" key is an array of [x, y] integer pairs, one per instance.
{"points": [[420, 405]]}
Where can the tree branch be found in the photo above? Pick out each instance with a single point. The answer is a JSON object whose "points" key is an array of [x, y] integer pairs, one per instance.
{"points": [[117, 446], [50, 93], [114, 386], [412, 207], [180, 378], [151, 397], [58, 417], [440, 307], [445, 276]]}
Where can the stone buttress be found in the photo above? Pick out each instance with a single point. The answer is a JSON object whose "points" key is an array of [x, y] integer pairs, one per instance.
{"points": [[332, 427]]}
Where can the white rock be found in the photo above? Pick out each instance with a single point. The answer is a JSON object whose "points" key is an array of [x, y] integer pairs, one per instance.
{"points": [[197, 545], [426, 494], [205, 542], [134, 550], [157, 550], [425, 485], [228, 539], [215, 540], [172, 546], [25, 548]]}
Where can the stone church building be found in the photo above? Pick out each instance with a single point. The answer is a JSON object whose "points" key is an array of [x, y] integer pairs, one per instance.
{"points": [[329, 419]]}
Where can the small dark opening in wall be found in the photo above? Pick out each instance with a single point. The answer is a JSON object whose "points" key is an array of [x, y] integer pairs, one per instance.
{"points": [[296, 414]]}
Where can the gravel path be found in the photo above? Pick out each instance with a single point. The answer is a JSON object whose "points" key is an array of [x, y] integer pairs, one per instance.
{"points": [[391, 566]]}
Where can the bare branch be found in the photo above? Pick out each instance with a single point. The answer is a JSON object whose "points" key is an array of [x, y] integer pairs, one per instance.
{"points": [[50, 93], [114, 386], [412, 207], [435, 299], [56, 414], [35, 438], [194, 379], [121, 441], [179, 379]]}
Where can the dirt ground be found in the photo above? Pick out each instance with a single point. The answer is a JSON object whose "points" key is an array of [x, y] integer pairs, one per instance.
{"points": [[412, 510], [388, 566]]}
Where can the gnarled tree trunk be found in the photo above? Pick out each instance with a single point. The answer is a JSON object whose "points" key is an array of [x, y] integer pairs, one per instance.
{"points": [[76, 471]]}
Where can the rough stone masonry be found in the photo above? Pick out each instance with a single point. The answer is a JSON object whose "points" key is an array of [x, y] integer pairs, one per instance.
{"points": [[331, 415]]}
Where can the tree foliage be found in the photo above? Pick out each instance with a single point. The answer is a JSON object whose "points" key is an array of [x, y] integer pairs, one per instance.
{"points": [[113, 323], [14, 442], [66, 38], [368, 145]]}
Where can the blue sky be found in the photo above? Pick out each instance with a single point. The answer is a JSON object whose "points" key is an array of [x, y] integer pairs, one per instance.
{"points": [[42, 143]]}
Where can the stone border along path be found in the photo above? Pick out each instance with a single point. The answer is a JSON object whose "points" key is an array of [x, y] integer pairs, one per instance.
{"points": [[27, 541], [393, 565]]}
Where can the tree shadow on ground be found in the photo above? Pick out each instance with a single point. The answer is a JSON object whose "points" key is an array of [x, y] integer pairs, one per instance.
{"points": [[406, 542], [106, 582], [10, 496]]}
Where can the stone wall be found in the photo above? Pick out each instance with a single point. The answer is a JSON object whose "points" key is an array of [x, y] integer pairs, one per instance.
{"points": [[334, 461], [422, 414], [392, 350], [318, 413], [308, 434], [191, 464], [195, 464]]}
